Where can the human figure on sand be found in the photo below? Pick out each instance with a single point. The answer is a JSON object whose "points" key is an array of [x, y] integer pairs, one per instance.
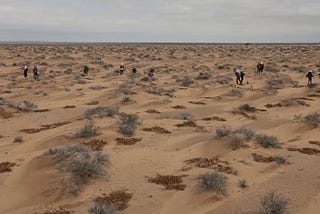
{"points": [[151, 73], [260, 67], [237, 72], [25, 71], [134, 69], [121, 70], [86, 69], [35, 72], [309, 76]]}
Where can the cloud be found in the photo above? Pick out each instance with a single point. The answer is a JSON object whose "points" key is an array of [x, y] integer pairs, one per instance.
{"points": [[153, 20]]}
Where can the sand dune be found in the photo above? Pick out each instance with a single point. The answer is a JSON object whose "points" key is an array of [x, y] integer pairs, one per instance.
{"points": [[193, 94]]}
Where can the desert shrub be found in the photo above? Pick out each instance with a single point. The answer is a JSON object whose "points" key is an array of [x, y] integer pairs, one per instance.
{"points": [[236, 141], [223, 131], [126, 100], [18, 139], [204, 76], [313, 118], [79, 164], [89, 130], [214, 181], [127, 124], [101, 111], [248, 133], [247, 108], [22, 106], [273, 203], [184, 116], [235, 93], [268, 141], [96, 88], [279, 159], [185, 81], [99, 208], [79, 79], [159, 91], [243, 183], [223, 80], [124, 88]]}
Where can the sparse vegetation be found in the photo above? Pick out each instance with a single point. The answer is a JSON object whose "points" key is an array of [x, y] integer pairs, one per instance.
{"points": [[79, 164], [89, 130], [279, 159], [214, 181], [18, 139], [223, 131], [313, 119], [273, 203], [243, 183], [99, 208], [128, 124], [102, 111], [247, 108], [268, 141]]}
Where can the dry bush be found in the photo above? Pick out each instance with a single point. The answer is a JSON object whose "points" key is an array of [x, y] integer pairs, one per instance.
{"points": [[273, 203], [99, 208], [247, 108], [235, 93], [185, 81], [18, 139], [268, 141], [128, 123], [313, 119], [102, 111], [89, 130], [79, 164], [204, 76], [214, 181]]}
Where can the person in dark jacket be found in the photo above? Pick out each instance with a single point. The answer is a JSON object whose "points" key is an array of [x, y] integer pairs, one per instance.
{"points": [[309, 76], [260, 67]]}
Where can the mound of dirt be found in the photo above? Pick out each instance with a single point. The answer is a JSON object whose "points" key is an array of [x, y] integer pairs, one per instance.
{"points": [[157, 129], [307, 151], [211, 163], [93, 103], [178, 107], [197, 103], [4, 114], [119, 199], [96, 145], [41, 110], [6, 167], [187, 124], [128, 141], [262, 158], [152, 111], [214, 118], [170, 182], [66, 107], [44, 127]]}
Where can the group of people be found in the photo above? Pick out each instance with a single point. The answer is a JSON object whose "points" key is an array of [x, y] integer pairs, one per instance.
{"points": [[35, 71], [151, 72]]}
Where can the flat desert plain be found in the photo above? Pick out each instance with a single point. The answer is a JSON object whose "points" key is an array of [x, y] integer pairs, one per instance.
{"points": [[189, 140]]}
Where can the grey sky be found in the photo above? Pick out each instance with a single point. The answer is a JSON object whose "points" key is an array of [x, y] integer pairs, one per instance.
{"points": [[160, 21]]}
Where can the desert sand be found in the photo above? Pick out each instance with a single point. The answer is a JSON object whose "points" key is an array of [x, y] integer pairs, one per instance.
{"points": [[193, 94]]}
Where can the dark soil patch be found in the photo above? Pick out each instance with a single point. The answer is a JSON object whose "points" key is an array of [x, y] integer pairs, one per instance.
{"points": [[248, 116], [307, 151], [41, 110], [170, 182], [66, 107], [93, 103], [6, 167], [96, 145], [157, 129], [214, 118], [211, 163], [4, 114], [314, 95], [273, 105], [128, 141], [119, 199], [315, 143], [153, 111], [44, 127], [197, 103], [178, 107], [187, 124], [261, 158]]}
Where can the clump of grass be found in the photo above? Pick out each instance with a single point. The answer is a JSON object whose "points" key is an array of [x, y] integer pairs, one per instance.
{"points": [[236, 141], [223, 131], [243, 183], [185, 81], [89, 130], [247, 108], [184, 116], [273, 203], [204, 76], [248, 133], [279, 159], [99, 208], [313, 119], [102, 111], [18, 139], [235, 93], [79, 165], [124, 88], [214, 181], [268, 141], [128, 124], [96, 87]]}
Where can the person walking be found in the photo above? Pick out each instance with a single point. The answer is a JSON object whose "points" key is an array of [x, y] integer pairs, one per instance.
{"points": [[309, 76], [35, 72], [25, 71]]}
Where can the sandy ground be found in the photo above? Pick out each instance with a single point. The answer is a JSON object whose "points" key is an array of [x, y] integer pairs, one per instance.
{"points": [[34, 185]]}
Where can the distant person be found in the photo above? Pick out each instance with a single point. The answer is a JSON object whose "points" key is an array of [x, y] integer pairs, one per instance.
{"points": [[121, 69], [151, 73], [25, 71], [242, 74], [35, 72], [134, 69], [86, 69], [260, 67], [237, 72], [309, 76]]}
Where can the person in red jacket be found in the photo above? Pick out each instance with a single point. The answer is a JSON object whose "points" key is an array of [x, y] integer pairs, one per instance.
{"points": [[121, 68]]}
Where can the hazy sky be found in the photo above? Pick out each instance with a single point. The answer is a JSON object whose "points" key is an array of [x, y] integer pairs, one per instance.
{"points": [[160, 20]]}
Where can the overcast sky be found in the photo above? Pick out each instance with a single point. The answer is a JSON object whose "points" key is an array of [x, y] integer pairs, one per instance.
{"points": [[160, 20]]}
